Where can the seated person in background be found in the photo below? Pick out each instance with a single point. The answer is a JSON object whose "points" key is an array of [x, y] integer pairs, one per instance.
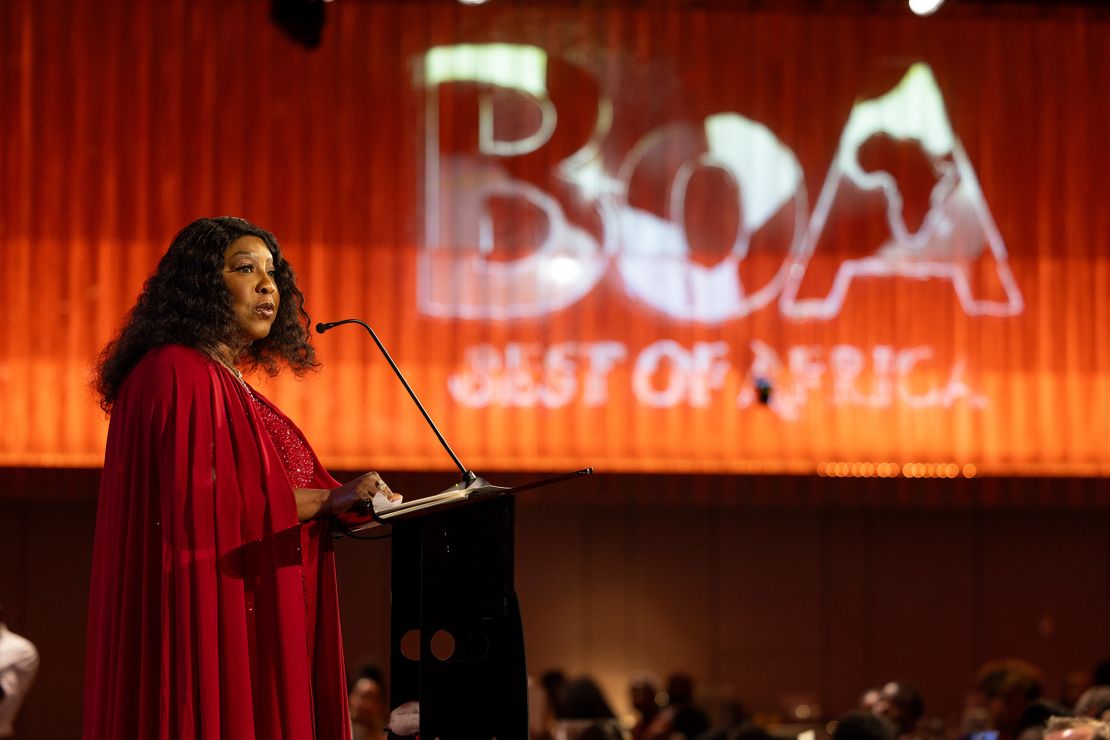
{"points": [[742, 730], [643, 690], [864, 725], [584, 714], [554, 682], [1077, 728], [680, 718], [369, 704], [1031, 723], [1094, 703], [19, 662], [1073, 686], [541, 713], [868, 699], [1009, 686], [901, 703]]}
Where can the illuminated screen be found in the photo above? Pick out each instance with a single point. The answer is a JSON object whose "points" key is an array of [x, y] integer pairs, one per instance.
{"points": [[637, 239]]}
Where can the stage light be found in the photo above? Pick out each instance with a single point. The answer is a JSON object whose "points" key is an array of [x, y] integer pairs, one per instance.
{"points": [[893, 470], [300, 20], [925, 7]]}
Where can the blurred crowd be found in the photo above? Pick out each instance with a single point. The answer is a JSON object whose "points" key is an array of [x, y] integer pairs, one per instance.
{"points": [[1008, 702]]}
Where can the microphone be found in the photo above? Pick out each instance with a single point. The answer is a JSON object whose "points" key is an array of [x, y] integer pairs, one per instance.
{"points": [[469, 479]]}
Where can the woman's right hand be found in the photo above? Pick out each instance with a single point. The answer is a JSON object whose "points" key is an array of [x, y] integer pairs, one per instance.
{"points": [[354, 492]]}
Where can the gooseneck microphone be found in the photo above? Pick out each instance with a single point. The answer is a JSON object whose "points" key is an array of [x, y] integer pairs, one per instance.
{"points": [[467, 476]]}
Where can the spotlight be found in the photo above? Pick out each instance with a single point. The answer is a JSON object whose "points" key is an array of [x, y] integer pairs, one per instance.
{"points": [[925, 7]]}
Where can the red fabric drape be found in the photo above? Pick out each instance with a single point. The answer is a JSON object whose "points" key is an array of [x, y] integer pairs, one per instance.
{"points": [[120, 124], [213, 612]]}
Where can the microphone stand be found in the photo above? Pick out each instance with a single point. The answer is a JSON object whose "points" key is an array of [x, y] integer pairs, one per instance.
{"points": [[469, 479], [470, 483]]}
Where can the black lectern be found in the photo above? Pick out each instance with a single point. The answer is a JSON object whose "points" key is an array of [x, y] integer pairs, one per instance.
{"points": [[456, 641], [453, 600]]}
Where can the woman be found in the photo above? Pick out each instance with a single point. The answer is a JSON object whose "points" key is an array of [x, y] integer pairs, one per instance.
{"points": [[213, 609]]}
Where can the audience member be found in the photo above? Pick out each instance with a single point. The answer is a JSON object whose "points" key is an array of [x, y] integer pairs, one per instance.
{"points": [[582, 699], [975, 717], [1077, 728], [644, 690], [1095, 703], [868, 699], [1009, 686], [864, 725], [680, 718], [369, 704], [554, 682], [585, 714], [19, 662], [1073, 686], [902, 704], [744, 730], [1031, 724], [541, 712], [1008, 696]]}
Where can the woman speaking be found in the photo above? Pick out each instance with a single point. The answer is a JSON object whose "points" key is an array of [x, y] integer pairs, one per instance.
{"points": [[213, 610]]}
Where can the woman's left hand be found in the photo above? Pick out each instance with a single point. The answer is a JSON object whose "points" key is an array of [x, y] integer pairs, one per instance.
{"points": [[321, 502], [354, 492]]}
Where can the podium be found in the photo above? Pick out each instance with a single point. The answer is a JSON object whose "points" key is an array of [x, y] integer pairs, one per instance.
{"points": [[454, 601], [456, 640]]}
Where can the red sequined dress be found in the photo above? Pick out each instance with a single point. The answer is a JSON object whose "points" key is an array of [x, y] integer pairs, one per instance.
{"points": [[294, 453]]}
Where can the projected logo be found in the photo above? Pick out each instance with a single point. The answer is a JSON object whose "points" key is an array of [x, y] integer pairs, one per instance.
{"points": [[757, 180], [477, 217], [704, 223], [956, 236]]}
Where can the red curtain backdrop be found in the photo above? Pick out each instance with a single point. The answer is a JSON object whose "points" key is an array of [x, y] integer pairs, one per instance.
{"points": [[121, 123]]}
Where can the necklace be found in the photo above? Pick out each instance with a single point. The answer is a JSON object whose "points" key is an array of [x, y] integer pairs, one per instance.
{"points": [[234, 371]]}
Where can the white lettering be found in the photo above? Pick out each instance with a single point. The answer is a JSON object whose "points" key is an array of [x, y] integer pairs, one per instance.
{"points": [[709, 367], [907, 360], [882, 360], [560, 376], [476, 386], [526, 375], [847, 364], [467, 194], [601, 357], [666, 374], [651, 363]]}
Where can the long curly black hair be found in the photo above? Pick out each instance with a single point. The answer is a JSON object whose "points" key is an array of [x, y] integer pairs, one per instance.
{"points": [[187, 302]]}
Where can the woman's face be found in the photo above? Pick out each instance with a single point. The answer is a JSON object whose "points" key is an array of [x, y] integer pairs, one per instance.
{"points": [[249, 277]]}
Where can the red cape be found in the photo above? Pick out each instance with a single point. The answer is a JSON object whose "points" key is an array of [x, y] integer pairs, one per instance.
{"points": [[213, 612]]}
